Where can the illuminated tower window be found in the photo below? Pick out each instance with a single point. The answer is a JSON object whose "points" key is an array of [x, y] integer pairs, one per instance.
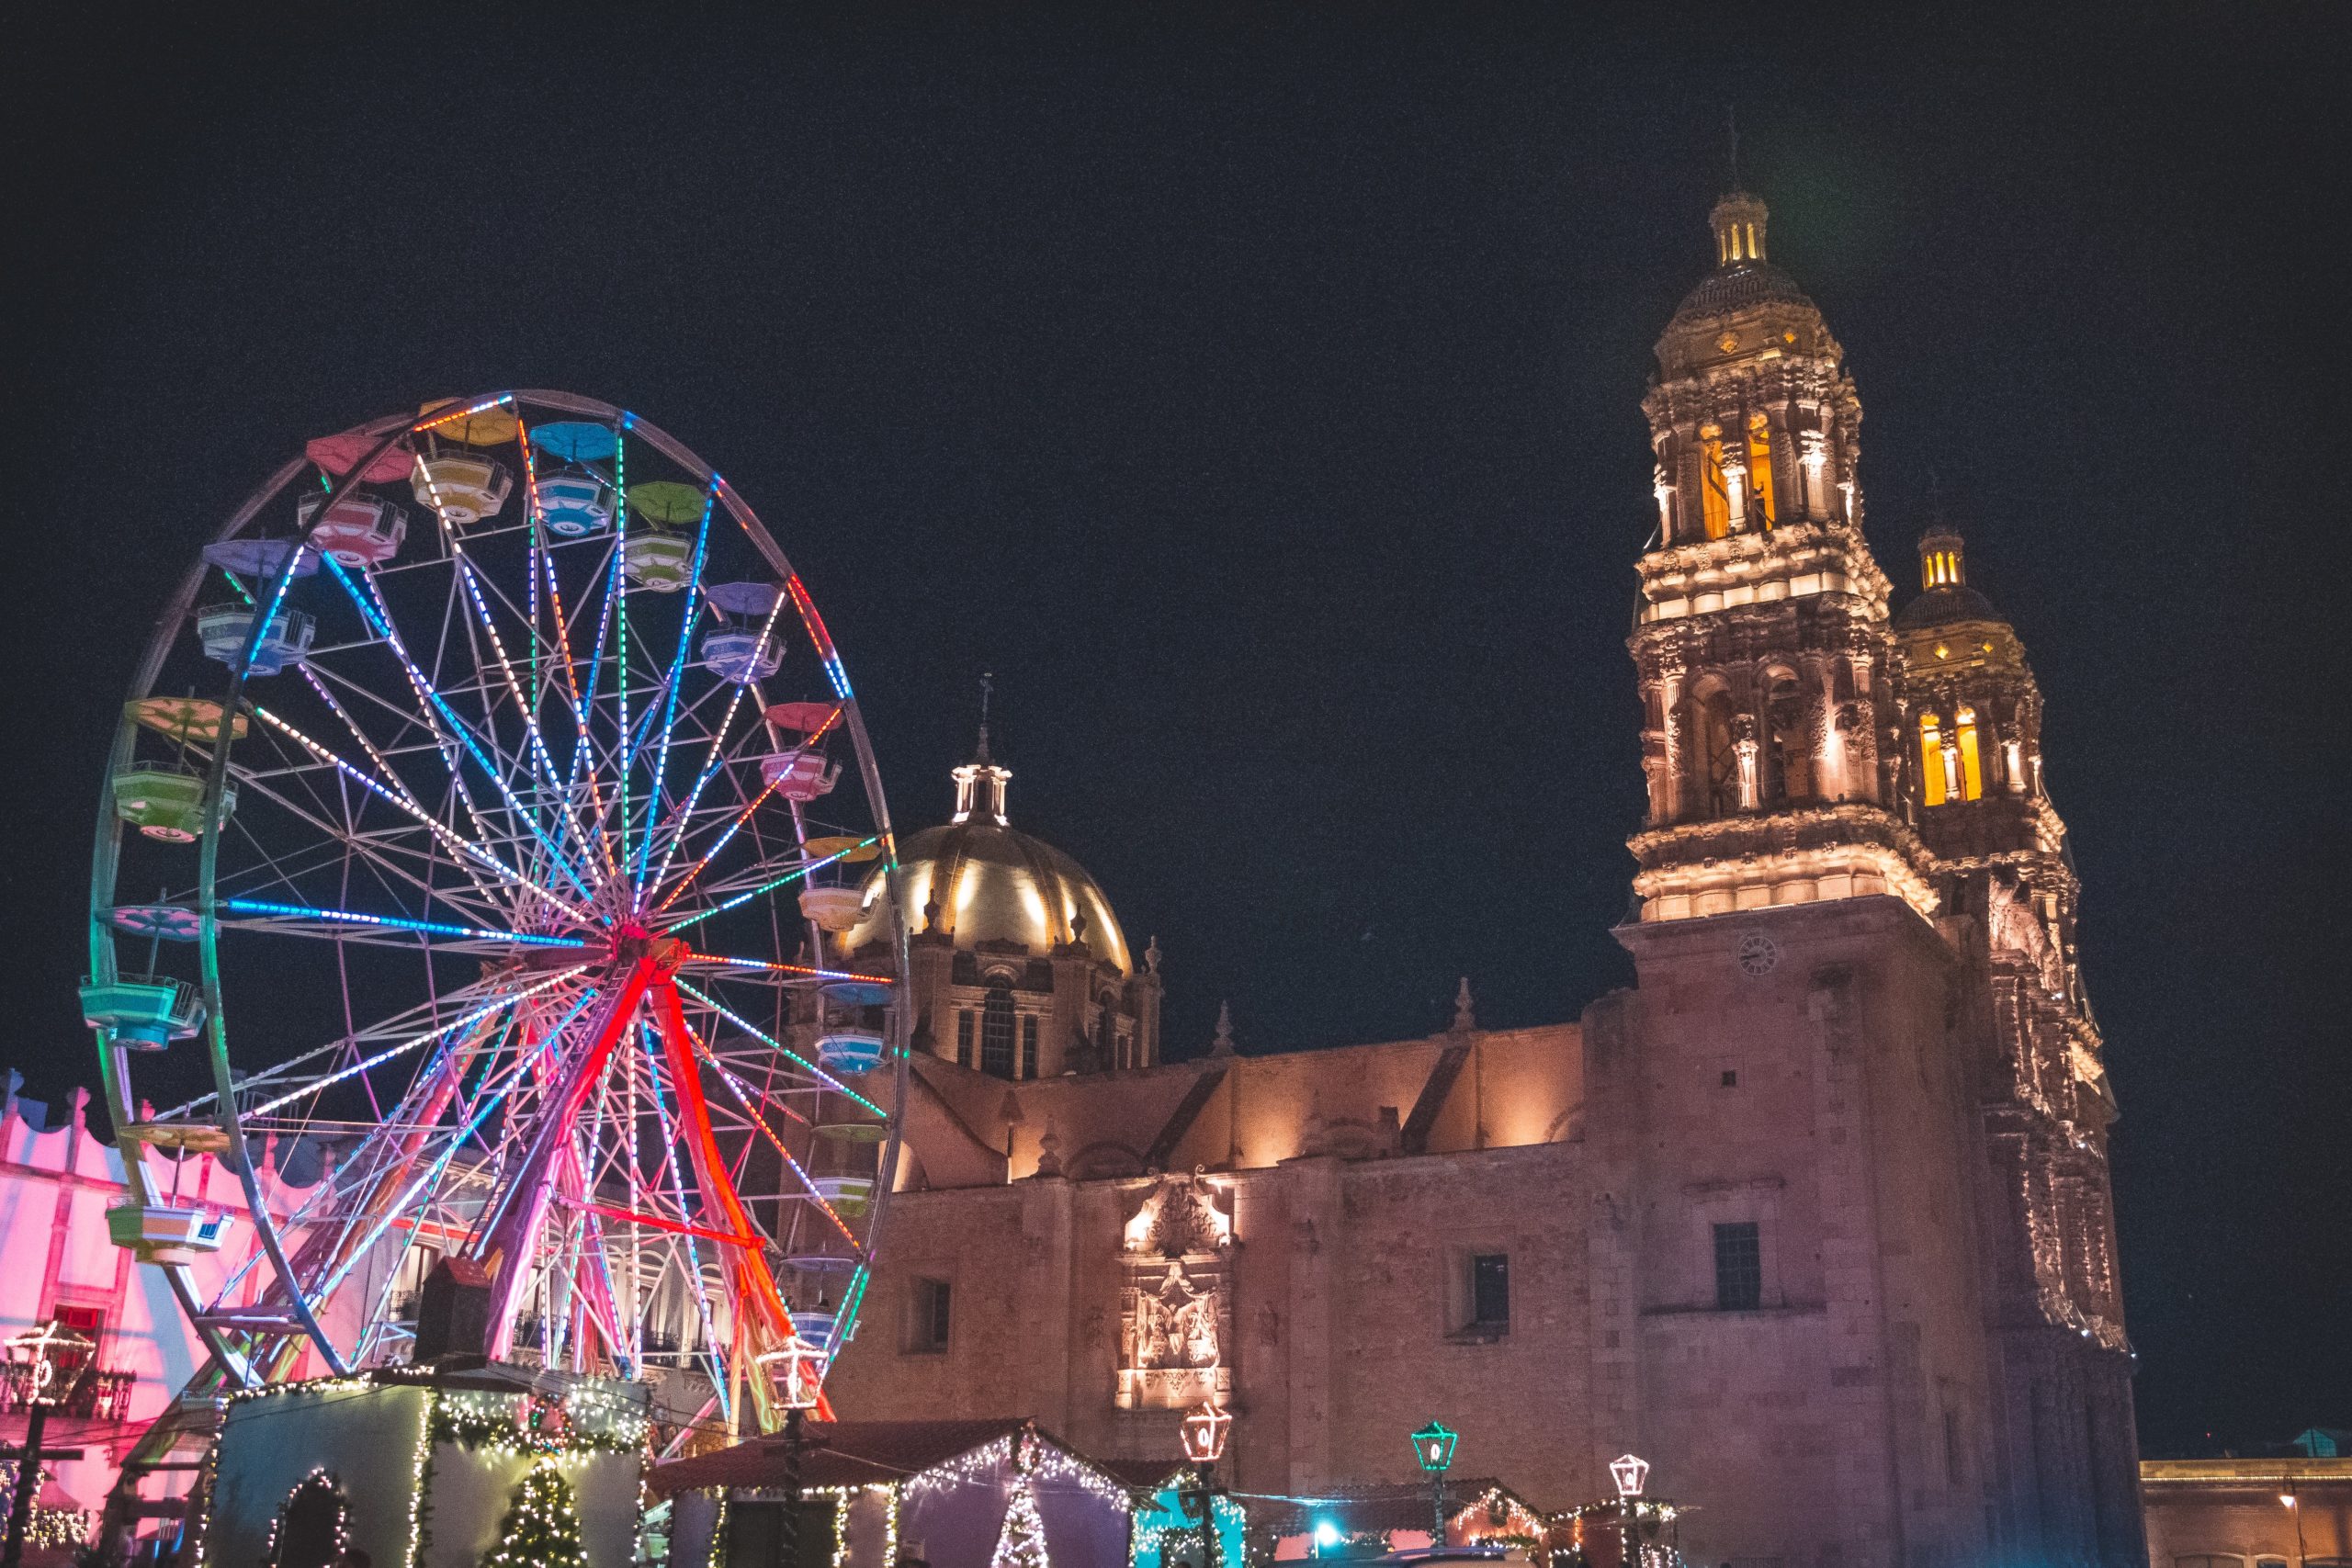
{"points": [[1931, 759], [1760, 470], [1713, 494], [1972, 777]]}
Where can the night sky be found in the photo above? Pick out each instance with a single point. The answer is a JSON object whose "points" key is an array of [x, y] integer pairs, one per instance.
{"points": [[1257, 394]]}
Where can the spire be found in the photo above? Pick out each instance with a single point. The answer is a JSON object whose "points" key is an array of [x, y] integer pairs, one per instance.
{"points": [[1222, 1045], [979, 783], [988, 685], [1465, 1015], [1730, 128]]}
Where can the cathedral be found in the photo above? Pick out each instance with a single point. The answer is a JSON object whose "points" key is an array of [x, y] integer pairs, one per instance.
{"points": [[1814, 1217]]}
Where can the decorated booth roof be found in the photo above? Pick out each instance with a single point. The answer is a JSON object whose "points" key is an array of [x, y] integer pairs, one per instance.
{"points": [[1389, 1506], [844, 1454]]}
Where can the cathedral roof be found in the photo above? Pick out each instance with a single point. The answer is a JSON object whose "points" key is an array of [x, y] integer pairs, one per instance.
{"points": [[1735, 286], [1942, 606], [993, 883]]}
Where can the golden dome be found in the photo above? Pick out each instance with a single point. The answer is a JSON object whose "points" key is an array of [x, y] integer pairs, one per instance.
{"points": [[993, 884]]}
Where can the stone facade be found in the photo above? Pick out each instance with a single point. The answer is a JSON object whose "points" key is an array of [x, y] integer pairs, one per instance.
{"points": [[1814, 1217]]}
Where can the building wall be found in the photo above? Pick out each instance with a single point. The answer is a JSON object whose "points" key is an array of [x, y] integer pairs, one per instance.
{"points": [[2232, 1509]]}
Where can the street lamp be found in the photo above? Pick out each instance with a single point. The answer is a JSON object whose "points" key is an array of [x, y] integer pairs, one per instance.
{"points": [[47, 1364], [1631, 1473], [1434, 1451], [2286, 1500], [1204, 1432]]}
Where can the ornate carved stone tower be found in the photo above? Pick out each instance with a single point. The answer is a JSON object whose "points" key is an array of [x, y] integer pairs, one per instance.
{"points": [[1766, 659], [1849, 1121], [1974, 722]]}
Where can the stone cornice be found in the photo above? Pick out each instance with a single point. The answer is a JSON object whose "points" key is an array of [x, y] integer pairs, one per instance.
{"points": [[1796, 561]]}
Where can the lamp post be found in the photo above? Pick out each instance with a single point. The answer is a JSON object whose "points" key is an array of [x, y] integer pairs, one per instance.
{"points": [[1206, 1429], [49, 1375], [1434, 1451], [1631, 1474]]}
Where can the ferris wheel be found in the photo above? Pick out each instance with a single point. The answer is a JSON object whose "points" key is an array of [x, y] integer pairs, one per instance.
{"points": [[467, 880]]}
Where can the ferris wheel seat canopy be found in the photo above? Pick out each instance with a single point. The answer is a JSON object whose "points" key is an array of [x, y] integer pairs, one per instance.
{"points": [[857, 993], [145, 1011], [853, 1132], [165, 801], [832, 909], [261, 558], [163, 1233], [185, 719], [357, 530], [167, 923], [576, 441], [668, 501], [749, 599], [799, 775], [222, 629], [801, 718], [336, 454], [490, 426], [660, 563], [852, 1050], [574, 505], [742, 656], [463, 487], [847, 1196]]}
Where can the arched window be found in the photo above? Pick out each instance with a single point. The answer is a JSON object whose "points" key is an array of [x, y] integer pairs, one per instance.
{"points": [[1972, 767], [1762, 510], [995, 1029], [1931, 759], [1715, 495], [1789, 770], [1714, 761]]}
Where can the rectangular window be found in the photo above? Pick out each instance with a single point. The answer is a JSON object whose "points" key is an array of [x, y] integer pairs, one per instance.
{"points": [[964, 1057], [1029, 1045], [1715, 494], [1490, 1291], [928, 1325], [1739, 1267], [1759, 473]]}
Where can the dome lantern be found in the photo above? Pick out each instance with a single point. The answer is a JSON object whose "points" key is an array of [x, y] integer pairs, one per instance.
{"points": [[1738, 222]]}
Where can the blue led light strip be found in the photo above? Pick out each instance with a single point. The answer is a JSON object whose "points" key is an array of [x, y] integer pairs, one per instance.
{"points": [[395, 923]]}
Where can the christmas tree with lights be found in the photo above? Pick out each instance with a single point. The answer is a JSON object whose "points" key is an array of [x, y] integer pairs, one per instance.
{"points": [[542, 1525], [1021, 1544]]}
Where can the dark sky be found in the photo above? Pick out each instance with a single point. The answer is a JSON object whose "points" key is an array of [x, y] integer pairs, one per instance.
{"points": [[1256, 392]]}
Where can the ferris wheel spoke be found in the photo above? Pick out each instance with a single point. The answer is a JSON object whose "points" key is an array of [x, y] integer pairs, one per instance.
{"points": [[456, 727], [717, 741], [402, 801], [677, 674], [380, 854], [814, 1071]]}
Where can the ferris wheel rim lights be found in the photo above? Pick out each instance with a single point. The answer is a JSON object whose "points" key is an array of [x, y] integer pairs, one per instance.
{"points": [[477, 763]]}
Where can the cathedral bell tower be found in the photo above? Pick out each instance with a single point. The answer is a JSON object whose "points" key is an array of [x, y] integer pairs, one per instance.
{"points": [[1766, 659]]}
